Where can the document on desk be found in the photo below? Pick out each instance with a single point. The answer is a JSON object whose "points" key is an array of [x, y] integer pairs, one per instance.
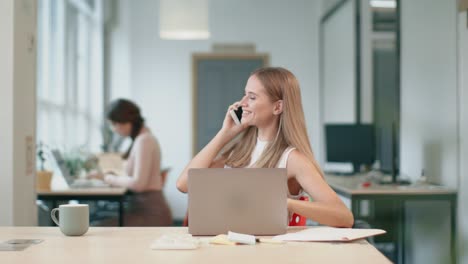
{"points": [[329, 234], [111, 163]]}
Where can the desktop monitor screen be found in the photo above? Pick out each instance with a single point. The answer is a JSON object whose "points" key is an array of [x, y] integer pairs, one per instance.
{"points": [[387, 149], [350, 143]]}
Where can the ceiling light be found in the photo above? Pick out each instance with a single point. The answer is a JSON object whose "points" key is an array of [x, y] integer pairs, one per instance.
{"points": [[383, 3], [183, 19]]}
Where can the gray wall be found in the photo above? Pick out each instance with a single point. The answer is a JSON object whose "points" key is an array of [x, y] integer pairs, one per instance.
{"points": [[339, 66], [463, 99], [429, 90], [339, 62], [6, 116], [429, 119]]}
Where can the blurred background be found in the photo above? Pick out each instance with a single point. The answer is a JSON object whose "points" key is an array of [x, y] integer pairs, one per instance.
{"points": [[386, 77]]}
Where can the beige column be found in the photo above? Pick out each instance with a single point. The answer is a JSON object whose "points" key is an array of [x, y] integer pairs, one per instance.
{"points": [[17, 112]]}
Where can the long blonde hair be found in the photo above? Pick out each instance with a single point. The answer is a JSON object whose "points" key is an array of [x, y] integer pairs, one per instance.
{"points": [[279, 84]]}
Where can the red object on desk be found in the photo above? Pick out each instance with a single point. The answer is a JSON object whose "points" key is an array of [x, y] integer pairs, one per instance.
{"points": [[299, 220], [366, 184]]}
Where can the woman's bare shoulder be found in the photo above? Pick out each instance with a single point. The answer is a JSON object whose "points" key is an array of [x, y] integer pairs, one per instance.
{"points": [[296, 157], [298, 161]]}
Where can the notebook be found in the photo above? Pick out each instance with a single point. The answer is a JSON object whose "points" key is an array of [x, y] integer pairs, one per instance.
{"points": [[329, 234]]}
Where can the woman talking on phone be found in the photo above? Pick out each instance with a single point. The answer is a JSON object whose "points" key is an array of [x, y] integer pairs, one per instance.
{"points": [[273, 135], [147, 205]]}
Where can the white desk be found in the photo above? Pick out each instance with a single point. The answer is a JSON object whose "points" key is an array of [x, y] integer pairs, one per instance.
{"points": [[351, 187], [132, 245]]}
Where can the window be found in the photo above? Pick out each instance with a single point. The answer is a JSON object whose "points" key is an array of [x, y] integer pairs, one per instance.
{"points": [[70, 74]]}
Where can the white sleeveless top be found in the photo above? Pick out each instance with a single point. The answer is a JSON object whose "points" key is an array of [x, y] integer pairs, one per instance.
{"points": [[260, 147], [257, 152]]}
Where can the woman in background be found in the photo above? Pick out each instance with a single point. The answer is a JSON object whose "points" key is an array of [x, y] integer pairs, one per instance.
{"points": [[147, 205]]}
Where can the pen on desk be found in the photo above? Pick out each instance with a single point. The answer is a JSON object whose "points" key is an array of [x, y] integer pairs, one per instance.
{"points": [[269, 241], [250, 239]]}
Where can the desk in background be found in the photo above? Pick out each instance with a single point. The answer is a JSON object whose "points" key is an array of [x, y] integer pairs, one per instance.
{"points": [[86, 194], [129, 245], [351, 188]]}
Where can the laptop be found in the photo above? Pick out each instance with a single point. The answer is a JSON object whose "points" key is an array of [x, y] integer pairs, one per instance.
{"points": [[72, 181], [249, 201]]}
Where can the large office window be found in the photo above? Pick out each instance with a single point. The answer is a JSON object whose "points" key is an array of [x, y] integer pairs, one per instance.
{"points": [[70, 73]]}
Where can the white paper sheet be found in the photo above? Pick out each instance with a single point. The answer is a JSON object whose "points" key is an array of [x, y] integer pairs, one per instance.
{"points": [[321, 233]]}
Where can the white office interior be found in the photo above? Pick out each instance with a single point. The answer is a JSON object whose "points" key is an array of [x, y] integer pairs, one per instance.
{"points": [[136, 63]]}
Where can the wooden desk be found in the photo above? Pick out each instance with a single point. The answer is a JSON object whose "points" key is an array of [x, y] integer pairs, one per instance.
{"points": [[86, 194], [351, 187], [132, 245]]}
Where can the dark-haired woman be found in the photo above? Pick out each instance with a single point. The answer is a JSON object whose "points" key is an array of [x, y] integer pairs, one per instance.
{"points": [[147, 206]]}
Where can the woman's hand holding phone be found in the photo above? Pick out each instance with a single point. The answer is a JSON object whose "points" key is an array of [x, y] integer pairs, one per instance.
{"points": [[232, 124], [236, 115]]}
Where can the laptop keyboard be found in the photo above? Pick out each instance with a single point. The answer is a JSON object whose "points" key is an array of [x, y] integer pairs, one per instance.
{"points": [[89, 183]]}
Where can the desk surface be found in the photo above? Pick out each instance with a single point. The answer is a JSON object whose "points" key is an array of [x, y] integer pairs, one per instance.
{"points": [[352, 188], [84, 192], [352, 185], [132, 245]]}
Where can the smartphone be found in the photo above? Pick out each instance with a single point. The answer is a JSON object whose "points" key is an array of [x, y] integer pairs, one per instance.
{"points": [[236, 115]]}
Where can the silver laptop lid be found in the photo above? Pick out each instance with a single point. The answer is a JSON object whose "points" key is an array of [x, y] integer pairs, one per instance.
{"points": [[61, 166], [250, 201]]}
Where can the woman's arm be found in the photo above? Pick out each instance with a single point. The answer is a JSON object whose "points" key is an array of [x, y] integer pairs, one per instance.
{"points": [[326, 208], [142, 170], [206, 158]]}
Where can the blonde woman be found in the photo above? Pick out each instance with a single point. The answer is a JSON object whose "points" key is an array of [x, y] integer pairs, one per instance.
{"points": [[274, 136]]}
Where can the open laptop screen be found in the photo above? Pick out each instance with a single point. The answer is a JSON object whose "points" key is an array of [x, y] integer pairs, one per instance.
{"points": [[252, 201]]}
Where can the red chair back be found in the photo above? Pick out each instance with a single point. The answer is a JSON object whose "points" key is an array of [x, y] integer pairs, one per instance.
{"points": [[299, 220]]}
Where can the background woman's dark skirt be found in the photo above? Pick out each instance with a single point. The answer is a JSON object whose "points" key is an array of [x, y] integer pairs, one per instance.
{"points": [[147, 209]]}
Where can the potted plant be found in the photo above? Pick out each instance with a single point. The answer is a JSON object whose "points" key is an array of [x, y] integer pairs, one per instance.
{"points": [[43, 176], [79, 162]]}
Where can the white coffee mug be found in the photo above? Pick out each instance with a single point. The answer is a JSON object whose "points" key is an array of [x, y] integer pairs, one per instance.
{"points": [[73, 218]]}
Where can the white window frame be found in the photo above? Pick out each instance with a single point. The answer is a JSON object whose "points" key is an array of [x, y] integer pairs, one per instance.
{"points": [[58, 74]]}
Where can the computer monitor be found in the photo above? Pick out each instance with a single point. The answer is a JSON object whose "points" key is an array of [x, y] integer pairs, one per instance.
{"points": [[386, 151], [352, 143]]}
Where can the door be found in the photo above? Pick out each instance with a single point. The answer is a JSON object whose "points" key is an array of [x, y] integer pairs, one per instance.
{"points": [[218, 81]]}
